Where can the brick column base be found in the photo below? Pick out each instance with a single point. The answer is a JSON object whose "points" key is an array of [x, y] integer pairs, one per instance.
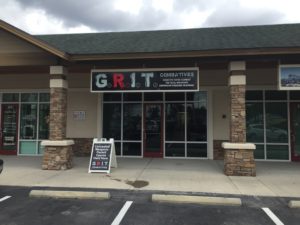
{"points": [[58, 155], [239, 159]]}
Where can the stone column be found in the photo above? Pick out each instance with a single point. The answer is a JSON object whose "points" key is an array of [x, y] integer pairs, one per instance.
{"points": [[238, 157], [58, 150]]}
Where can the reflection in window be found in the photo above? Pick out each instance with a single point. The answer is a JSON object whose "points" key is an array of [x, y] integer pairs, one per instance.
{"points": [[29, 97], [276, 122], [267, 124], [44, 121], [44, 97], [197, 150], [174, 149], [254, 122], [132, 116], [175, 120], [196, 121], [259, 152], [112, 97], [278, 152], [112, 121], [28, 121], [10, 97], [131, 148]]}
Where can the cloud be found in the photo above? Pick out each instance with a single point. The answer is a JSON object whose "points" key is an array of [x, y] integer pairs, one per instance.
{"points": [[99, 15], [236, 15], [65, 16]]}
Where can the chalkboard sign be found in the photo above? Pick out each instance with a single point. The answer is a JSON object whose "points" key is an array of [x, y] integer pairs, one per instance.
{"points": [[102, 153]]}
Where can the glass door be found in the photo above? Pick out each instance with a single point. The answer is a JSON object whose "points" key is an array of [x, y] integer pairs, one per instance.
{"points": [[153, 130], [295, 130], [9, 129]]}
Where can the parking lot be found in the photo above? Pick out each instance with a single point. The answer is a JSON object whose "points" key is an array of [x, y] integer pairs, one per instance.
{"points": [[136, 207]]}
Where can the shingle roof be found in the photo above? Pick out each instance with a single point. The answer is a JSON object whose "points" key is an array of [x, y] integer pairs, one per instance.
{"points": [[223, 38]]}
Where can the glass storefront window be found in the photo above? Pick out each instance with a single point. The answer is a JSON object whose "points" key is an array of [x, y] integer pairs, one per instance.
{"points": [[196, 96], [259, 152], [197, 150], [174, 150], [254, 95], [156, 96], [294, 95], [182, 134], [175, 96], [44, 97], [112, 121], [118, 148], [112, 97], [276, 95], [132, 120], [267, 124], [10, 97], [254, 122], [196, 121], [29, 97], [276, 122], [175, 120], [27, 147], [28, 120], [32, 120], [41, 148], [132, 148], [44, 121], [132, 97], [278, 152]]}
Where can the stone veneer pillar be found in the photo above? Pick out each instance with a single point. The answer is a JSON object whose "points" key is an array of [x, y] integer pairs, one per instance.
{"points": [[238, 155], [58, 150]]}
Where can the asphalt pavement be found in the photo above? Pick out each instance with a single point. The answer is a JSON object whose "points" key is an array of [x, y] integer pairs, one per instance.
{"points": [[135, 207]]}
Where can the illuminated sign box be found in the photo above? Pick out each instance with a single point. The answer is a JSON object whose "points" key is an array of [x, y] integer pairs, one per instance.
{"points": [[289, 77], [145, 80]]}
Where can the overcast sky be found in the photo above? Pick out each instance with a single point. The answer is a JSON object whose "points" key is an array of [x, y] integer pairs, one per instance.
{"points": [[77, 16]]}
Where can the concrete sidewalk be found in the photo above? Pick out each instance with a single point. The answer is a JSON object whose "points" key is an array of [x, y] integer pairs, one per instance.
{"points": [[273, 178]]}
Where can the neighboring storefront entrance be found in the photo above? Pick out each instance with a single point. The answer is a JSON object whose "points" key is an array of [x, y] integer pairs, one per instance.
{"points": [[24, 122], [9, 129], [295, 130]]}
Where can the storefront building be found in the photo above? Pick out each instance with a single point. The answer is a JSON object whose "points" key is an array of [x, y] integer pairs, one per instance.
{"points": [[46, 93]]}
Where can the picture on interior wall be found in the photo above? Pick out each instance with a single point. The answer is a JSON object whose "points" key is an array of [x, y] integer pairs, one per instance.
{"points": [[289, 77]]}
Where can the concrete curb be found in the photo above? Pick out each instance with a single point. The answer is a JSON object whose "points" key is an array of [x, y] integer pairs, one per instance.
{"points": [[69, 194], [197, 200], [294, 204]]}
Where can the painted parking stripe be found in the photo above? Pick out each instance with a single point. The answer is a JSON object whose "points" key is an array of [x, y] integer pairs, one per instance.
{"points": [[122, 213], [273, 217], [4, 198]]}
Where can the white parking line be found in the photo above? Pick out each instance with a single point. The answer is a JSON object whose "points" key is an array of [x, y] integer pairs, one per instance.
{"points": [[4, 198], [122, 213], [273, 216]]}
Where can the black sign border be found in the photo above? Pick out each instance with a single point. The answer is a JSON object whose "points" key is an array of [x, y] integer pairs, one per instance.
{"points": [[145, 70]]}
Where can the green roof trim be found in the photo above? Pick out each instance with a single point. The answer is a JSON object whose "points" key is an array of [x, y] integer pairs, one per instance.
{"points": [[223, 38]]}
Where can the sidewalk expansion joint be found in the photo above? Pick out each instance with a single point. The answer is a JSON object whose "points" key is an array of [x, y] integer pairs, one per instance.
{"points": [[294, 204], [70, 194], [204, 200]]}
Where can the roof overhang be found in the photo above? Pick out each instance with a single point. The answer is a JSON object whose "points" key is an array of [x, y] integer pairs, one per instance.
{"points": [[31, 39], [187, 54]]}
